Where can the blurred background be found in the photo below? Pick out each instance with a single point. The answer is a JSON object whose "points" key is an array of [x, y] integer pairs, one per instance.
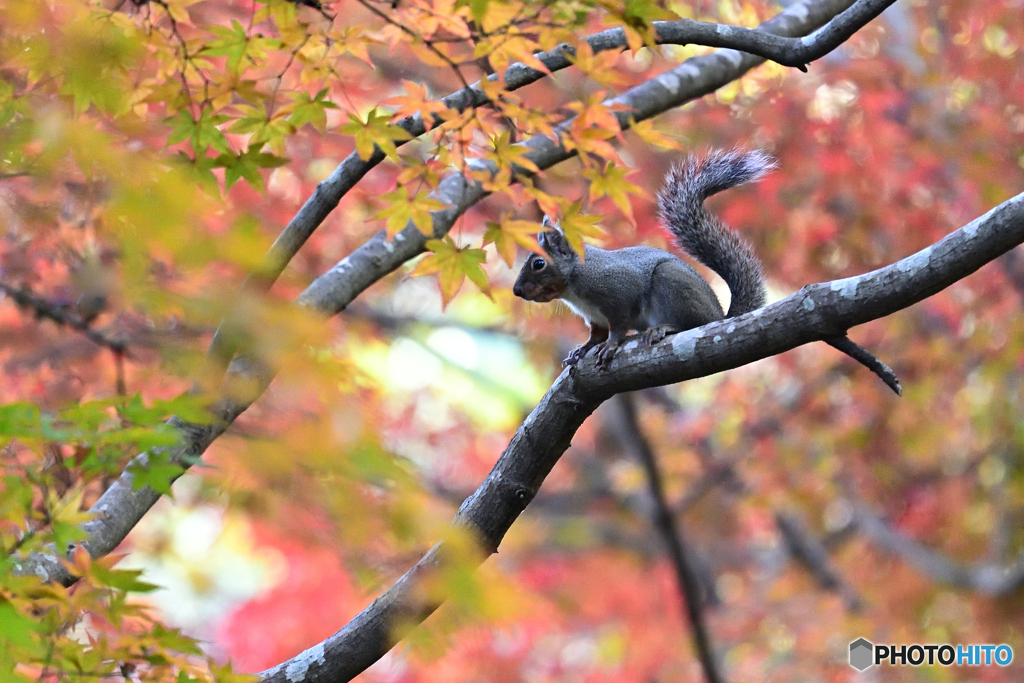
{"points": [[816, 506]]}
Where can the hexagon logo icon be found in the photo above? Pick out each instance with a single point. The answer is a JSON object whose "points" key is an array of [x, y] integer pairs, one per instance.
{"points": [[861, 654]]}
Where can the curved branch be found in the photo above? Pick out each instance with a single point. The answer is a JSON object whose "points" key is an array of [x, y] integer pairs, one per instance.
{"points": [[814, 313]]}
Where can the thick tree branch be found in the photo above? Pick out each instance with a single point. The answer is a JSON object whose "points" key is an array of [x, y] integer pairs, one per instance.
{"points": [[691, 592], [814, 313]]}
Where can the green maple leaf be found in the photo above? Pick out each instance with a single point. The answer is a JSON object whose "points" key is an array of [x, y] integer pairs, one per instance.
{"points": [[311, 110], [202, 134], [231, 43], [123, 579], [158, 473], [247, 165]]}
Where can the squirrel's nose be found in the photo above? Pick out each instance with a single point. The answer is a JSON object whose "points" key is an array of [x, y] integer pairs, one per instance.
{"points": [[517, 289]]}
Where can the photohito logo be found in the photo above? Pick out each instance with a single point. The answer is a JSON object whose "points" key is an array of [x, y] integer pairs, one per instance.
{"points": [[863, 653]]}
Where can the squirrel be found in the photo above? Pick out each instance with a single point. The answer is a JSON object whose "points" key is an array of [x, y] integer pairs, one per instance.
{"points": [[651, 290]]}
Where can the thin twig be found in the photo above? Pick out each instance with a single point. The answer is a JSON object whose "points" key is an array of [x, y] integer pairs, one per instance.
{"points": [[691, 593], [44, 309]]}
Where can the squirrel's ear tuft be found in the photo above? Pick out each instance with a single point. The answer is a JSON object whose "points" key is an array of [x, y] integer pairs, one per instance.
{"points": [[554, 243], [550, 224], [542, 240]]}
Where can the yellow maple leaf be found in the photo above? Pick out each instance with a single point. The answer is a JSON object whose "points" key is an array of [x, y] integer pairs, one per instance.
{"points": [[400, 208], [611, 182], [453, 265], [645, 131], [416, 102], [375, 130], [508, 233], [576, 225], [507, 156], [600, 67]]}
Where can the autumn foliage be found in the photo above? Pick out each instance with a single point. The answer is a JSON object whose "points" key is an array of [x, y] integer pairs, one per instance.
{"points": [[151, 151]]}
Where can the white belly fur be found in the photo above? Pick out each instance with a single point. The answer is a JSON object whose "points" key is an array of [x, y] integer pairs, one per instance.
{"points": [[584, 310]]}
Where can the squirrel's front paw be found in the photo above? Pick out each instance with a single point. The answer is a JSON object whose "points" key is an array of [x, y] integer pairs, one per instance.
{"points": [[577, 355], [605, 353]]}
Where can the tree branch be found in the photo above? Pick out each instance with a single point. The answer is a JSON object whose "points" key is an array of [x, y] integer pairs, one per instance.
{"points": [[990, 578], [691, 592], [44, 309], [868, 360], [814, 313], [813, 555]]}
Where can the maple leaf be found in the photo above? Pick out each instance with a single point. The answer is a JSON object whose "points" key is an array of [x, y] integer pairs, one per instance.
{"points": [[594, 124], [594, 112], [508, 233], [157, 473], [202, 134], [66, 517], [600, 67], [506, 156], [400, 208], [102, 570], [636, 18], [415, 170], [576, 225], [417, 102], [590, 141], [312, 110], [231, 43], [512, 46], [550, 204], [453, 265], [611, 182], [645, 131], [353, 40], [263, 128], [247, 165], [374, 131], [529, 121]]}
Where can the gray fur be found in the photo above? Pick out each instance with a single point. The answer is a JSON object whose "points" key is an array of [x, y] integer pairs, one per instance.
{"points": [[703, 235], [647, 289]]}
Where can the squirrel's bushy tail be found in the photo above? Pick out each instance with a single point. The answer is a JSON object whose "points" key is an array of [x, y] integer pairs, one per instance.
{"points": [[706, 237]]}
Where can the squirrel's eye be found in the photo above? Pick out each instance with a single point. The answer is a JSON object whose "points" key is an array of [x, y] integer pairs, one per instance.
{"points": [[539, 264]]}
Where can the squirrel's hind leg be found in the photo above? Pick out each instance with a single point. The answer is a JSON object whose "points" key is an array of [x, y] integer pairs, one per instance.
{"points": [[654, 335]]}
